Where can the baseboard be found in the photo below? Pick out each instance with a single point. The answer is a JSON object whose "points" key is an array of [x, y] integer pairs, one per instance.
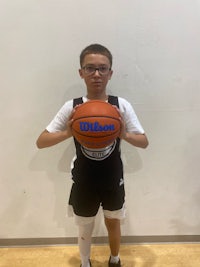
{"points": [[8, 242]]}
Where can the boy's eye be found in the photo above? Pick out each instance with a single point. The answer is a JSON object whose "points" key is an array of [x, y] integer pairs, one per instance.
{"points": [[90, 69], [103, 70]]}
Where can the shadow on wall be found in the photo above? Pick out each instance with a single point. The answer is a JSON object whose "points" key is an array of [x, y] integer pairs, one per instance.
{"points": [[59, 155], [55, 163], [64, 163], [131, 158]]}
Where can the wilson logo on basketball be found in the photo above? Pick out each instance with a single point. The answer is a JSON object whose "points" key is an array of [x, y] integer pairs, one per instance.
{"points": [[95, 127]]}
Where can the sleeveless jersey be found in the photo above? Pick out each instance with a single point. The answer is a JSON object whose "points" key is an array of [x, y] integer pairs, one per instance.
{"points": [[100, 168]]}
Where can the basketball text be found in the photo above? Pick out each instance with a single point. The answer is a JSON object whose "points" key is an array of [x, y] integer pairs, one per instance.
{"points": [[96, 127]]}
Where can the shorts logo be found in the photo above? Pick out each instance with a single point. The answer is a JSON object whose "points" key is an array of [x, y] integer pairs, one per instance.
{"points": [[98, 153], [121, 182], [96, 127]]}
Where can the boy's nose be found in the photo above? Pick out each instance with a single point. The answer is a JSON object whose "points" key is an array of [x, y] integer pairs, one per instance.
{"points": [[96, 73]]}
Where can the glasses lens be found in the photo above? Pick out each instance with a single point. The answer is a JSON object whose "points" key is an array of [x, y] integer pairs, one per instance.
{"points": [[89, 70], [103, 70]]}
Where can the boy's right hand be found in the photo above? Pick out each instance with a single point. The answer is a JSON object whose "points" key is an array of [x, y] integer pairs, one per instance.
{"points": [[70, 121]]}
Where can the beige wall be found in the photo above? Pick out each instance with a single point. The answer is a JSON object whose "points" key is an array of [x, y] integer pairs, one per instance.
{"points": [[155, 45]]}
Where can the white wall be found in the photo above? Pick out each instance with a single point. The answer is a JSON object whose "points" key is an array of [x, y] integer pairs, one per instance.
{"points": [[155, 45]]}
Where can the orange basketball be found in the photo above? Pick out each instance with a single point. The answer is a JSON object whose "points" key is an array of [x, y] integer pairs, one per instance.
{"points": [[96, 124]]}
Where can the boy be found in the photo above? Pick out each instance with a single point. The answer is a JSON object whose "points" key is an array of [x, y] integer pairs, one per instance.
{"points": [[96, 181]]}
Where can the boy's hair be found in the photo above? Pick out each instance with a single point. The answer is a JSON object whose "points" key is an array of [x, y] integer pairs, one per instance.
{"points": [[95, 49]]}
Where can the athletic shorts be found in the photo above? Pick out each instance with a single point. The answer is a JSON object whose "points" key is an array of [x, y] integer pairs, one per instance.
{"points": [[87, 200]]}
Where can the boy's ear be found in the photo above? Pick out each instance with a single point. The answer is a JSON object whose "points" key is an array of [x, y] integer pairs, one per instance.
{"points": [[81, 73], [111, 73]]}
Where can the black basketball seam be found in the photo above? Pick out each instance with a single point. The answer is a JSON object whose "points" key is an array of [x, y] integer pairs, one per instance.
{"points": [[97, 116], [86, 135]]}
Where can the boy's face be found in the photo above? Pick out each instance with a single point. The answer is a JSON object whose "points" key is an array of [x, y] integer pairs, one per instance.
{"points": [[96, 80]]}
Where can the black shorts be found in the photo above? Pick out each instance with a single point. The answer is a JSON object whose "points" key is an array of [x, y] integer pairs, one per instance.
{"points": [[87, 200]]}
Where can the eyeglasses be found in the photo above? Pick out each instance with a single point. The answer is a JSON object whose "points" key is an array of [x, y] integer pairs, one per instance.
{"points": [[89, 70]]}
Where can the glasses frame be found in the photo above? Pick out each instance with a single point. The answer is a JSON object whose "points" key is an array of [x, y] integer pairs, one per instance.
{"points": [[95, 69]]}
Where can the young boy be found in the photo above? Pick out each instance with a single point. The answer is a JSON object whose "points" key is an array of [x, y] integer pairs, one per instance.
{"points": [[97, 180]]}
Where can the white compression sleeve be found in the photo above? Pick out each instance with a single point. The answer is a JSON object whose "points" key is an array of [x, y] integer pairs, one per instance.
{"points": [[84, 242]]}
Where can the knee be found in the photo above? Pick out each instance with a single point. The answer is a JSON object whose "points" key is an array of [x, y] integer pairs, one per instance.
{"points": [[112, 224], [85, 231]]}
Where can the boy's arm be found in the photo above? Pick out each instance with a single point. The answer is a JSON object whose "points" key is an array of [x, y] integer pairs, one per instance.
{"points": [[138, 140], [47, 139]]}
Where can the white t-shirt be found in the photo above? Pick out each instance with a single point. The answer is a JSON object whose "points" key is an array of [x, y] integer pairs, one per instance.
{"points": [[131, 121]]}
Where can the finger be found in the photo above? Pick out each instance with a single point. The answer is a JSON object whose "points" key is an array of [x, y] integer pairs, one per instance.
{"points": [[118, 110]]}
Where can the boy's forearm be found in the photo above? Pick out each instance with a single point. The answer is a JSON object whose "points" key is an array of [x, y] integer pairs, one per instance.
{"points": [[47, 139], [138, 140]]}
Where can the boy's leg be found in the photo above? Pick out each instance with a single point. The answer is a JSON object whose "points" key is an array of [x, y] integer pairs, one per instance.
{"points": [[114, 211], [84, 242], [84, 203], [114, 235]]}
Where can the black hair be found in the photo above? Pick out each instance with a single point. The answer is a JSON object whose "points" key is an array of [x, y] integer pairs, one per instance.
{"points": [[96, 49]]}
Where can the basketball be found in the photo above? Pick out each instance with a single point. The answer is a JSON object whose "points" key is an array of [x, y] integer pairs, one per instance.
{"points": [[96, 124]]}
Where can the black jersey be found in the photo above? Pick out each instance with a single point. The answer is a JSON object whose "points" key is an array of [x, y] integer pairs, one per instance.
{"points": [[98, 167]]}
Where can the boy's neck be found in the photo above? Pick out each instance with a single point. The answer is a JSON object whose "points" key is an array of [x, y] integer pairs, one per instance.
{"points": [[97, 97]]}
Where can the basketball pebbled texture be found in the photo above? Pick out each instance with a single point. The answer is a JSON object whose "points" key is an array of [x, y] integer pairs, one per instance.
{"points": [[96, 124]]}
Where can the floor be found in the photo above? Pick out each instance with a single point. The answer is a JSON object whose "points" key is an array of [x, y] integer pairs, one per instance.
{"points": [[151, 255]]}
